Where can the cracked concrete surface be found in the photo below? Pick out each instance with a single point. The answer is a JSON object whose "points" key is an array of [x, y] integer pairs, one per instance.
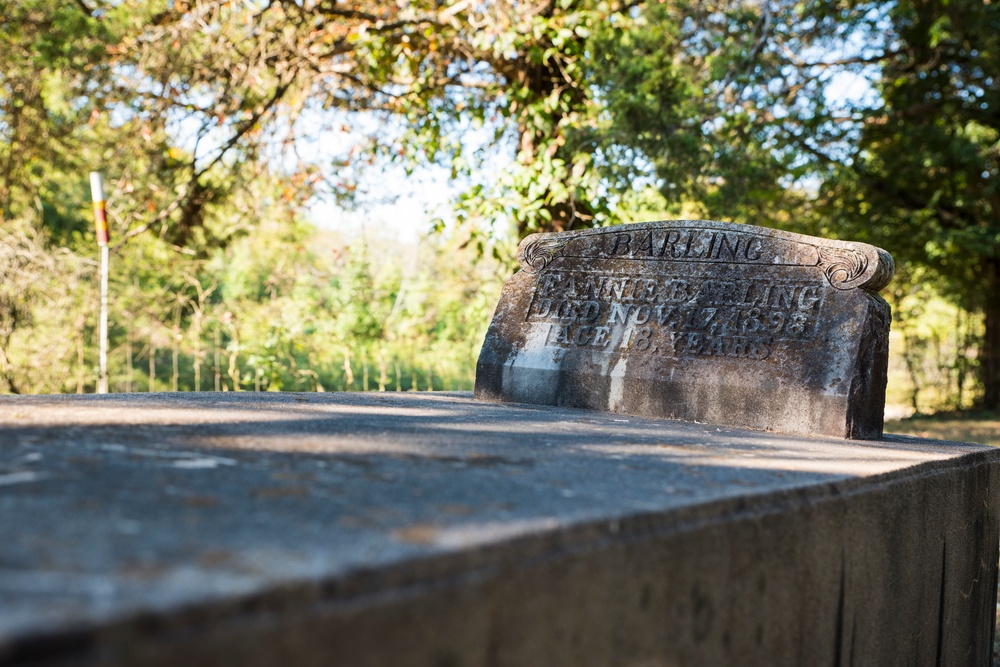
{"points": [[431, 529]]}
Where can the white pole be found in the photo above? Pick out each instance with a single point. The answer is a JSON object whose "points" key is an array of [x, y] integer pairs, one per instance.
{"points": [[100, 217], [102, 380]]}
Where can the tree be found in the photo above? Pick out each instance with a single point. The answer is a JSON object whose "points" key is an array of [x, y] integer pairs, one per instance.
{"points": [[929, 162], [233, 81], [909, 161], [920, 176], [723, 108], [245, 75]]}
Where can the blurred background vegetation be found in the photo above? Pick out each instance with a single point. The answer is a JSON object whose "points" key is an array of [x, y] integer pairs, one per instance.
{"points": [[228, 132]]}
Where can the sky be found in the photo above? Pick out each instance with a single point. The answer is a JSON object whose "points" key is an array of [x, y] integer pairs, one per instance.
{"points": [[404, 212], [404, 206], [393, 203]]}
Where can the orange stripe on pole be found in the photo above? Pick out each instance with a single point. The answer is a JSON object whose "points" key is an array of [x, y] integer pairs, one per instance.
{"points": [[100, 212], [101, 218]]}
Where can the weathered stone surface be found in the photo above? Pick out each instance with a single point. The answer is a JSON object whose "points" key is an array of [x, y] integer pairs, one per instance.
{"points": [[423, 530], [696, 320]]}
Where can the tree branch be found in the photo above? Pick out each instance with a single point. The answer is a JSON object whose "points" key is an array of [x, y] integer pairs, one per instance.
{"points": [[84, 8]]}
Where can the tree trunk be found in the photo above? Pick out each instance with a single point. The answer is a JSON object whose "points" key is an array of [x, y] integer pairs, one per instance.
{"points": [[175, 367], [348, 373], [911, 369], [80, 359], [176, 349], [152, 367], [128, 359], [959, 359], [991, 340], [196, 338], [383, 378], [234, 364], [364, 367], [217, 368]]}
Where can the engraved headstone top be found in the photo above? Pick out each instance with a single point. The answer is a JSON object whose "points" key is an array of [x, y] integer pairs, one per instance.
{"points": [[705, 321]]}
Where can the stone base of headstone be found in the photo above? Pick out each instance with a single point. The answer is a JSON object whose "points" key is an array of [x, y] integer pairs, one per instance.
{"points": [[431, 530]]}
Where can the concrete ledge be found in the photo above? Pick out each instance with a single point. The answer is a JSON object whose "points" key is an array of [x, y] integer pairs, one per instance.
{"points": [[428, 529]]}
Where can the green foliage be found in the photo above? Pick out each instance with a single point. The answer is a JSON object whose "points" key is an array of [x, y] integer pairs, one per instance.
{"points": [[922, 179], [552, 116], [285, 307], [925, 177], [934, 348]]}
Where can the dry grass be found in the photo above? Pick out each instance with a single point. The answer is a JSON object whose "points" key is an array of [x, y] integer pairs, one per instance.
{"points": [[981, 427]]}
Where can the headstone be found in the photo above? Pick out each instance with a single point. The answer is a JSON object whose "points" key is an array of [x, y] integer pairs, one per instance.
{"points": [[704, 321]]}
